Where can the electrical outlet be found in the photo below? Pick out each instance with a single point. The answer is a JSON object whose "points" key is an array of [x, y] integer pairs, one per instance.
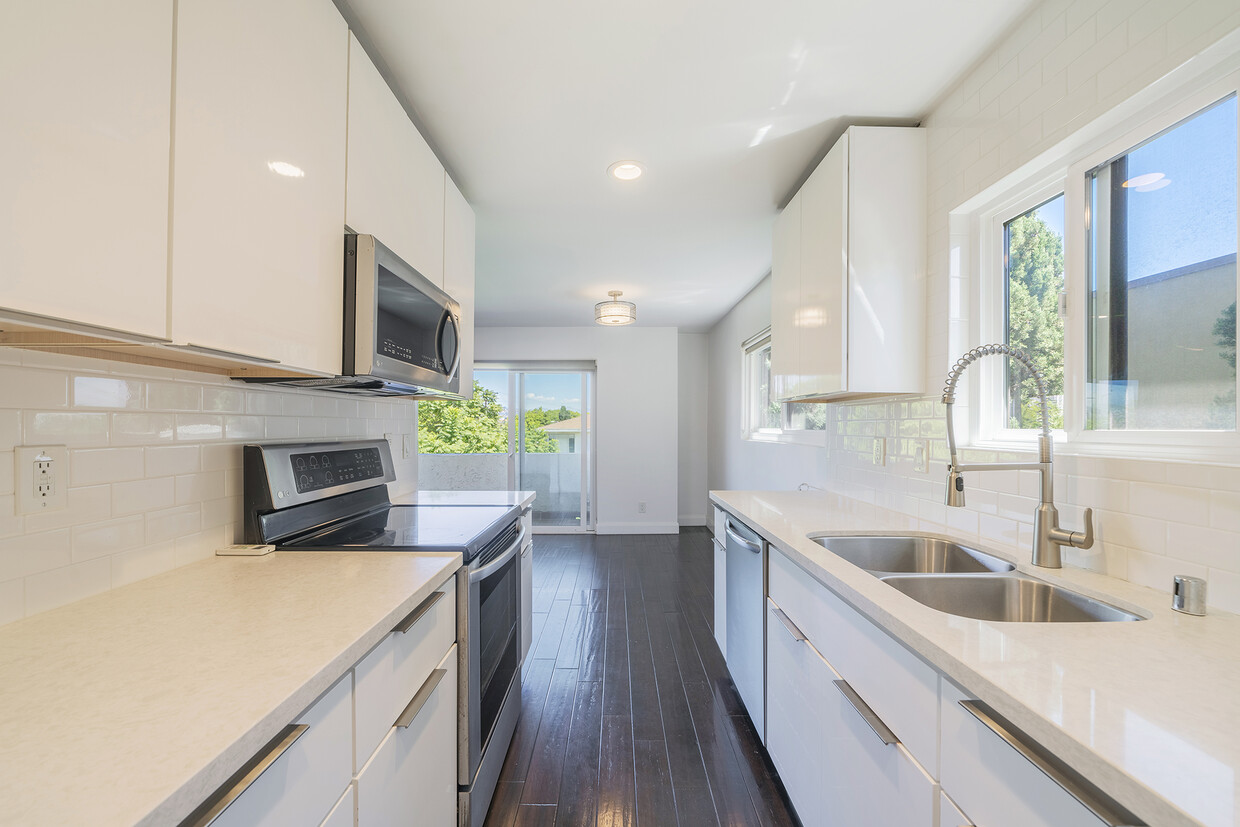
{"points": [[880, 451], [921, 457], [641, 508], [399, 443], [41, 478]]}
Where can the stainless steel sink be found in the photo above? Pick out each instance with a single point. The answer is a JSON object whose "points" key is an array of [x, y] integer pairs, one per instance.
{"points": [[898, 554], [1009, 597]]}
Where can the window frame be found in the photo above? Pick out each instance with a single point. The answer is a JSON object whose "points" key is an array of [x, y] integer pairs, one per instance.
{"points": [[783, 434], [1065, 169]]}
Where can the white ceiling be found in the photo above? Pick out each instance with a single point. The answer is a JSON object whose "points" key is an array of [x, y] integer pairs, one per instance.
{"points": [[727, 103]]}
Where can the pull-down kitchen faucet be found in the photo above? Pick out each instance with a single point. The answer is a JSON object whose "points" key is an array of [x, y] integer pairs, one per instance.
{"points": [[1047, 535]]}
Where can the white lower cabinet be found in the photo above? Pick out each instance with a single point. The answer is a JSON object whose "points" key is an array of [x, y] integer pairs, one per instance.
{"points": [[721, 596], [527, 598], [411, 778], [949, 813], [344, 813], [304, 783], [835, 767], [993, 782]]}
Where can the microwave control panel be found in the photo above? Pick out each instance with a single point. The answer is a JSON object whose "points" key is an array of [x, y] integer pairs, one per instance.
{"points": [[323, 469]]}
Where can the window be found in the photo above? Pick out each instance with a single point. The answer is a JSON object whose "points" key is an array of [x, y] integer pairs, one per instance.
{"points": [[764, 417], [1114, 269], [1161, 263]]}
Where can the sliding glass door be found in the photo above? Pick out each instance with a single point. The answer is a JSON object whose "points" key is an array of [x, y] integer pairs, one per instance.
{"points": [[529, 427]]}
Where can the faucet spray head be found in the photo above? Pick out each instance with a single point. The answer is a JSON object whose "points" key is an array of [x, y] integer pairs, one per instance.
{"points": [[955, 488]]}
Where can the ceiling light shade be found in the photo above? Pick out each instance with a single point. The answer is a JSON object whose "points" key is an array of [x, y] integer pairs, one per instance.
{"points": [[615, 312], [625, 170]]}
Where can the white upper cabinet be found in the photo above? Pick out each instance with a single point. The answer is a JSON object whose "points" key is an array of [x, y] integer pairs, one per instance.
{"points": [[259, 180], [848, 272], [458, 273], [395, 182], [84, 139]]}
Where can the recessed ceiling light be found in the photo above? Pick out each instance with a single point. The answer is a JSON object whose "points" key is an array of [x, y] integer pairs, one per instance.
{"points": [[625, 170], [286, 169], [1144, 180]]}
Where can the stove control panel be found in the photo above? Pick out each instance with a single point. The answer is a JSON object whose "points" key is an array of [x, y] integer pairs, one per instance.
{"points": [[324, 469]]}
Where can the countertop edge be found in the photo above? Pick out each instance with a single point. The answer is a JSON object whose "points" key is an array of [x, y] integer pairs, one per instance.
{"points": [[1132, 793]]}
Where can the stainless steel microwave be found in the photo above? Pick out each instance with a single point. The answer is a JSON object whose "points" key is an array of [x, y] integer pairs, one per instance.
{"points": [[402, 334]]}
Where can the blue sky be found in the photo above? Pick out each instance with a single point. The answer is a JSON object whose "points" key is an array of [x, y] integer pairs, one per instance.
{"points": [[542, 390]]}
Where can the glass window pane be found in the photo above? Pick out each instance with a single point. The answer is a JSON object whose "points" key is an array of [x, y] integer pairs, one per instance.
{"points": [[477, 426], [1162, 280], [805, 416], [1033, 279]]}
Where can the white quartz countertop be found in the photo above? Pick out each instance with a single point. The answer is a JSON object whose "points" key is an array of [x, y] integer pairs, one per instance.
{"points": [[519, 498], [1149, 711], [133, 706]]}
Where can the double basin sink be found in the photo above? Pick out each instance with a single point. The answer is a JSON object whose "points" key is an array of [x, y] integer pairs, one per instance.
{"points": [[963, 581]]}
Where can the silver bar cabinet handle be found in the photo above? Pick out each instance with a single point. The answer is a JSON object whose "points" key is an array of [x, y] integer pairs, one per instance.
{"points": [[241, 780], [792, 628], [1110, 811], [416, 615], [754, 547], [883, 732], [420, 698]]}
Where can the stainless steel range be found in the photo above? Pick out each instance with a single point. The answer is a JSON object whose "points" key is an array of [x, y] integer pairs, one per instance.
{"points": [[332, 496]]}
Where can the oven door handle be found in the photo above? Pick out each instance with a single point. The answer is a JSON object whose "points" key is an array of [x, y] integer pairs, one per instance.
{"points": [[478, 575]]}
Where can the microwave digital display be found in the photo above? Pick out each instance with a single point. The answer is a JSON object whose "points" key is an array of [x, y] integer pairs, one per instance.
{"points": [[408, 324], [323, 469]]}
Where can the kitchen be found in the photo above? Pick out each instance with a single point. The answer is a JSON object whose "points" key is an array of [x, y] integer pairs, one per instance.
{"points": [[134, 192]]}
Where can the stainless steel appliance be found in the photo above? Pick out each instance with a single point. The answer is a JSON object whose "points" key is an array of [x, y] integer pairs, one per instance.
{"points": [[746, 601], [333, 496], [402, 334]]}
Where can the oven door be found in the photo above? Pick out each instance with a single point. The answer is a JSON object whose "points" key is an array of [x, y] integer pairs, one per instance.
{"points": [[490, 649]]}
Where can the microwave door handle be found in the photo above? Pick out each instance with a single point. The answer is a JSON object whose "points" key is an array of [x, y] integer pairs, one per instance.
{"points": [[456, 333]]}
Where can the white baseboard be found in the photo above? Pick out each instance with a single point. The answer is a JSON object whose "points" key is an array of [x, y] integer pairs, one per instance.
{"points": [[637, 528], [692, 519]]}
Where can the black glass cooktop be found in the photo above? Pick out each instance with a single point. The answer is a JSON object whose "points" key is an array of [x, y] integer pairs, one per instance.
{"points": [[458, 528]]}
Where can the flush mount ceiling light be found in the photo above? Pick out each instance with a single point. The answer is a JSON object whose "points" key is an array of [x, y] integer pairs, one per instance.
{"points": [[615, 312], [286, 169], [625, 170]]}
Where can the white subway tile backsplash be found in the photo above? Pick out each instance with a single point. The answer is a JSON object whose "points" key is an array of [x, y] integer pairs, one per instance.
{"points": [[66, 428], [107, 392], [141, 496], [1223, 590], [223, 400], [173, 396], [29, 554], [171, 460], [244, 427], [65, 585], [264, 402], [106, 538], [10, 428], [6, 472], [199, 427], [103, 465], [169, 523], [140, 563], [141, 428], [86, 505], [1170, 502], [1225, 510], [1157, 572], [1209, 547], [24, 388], [194, 488], [12, 594]]}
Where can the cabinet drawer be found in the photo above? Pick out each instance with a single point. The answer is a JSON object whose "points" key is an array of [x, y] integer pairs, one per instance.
{"points": [[994, 783], [304, 783], [342, 814], [411, 778], [899, 687], [949, 813], [392, 672], [721, 596]]}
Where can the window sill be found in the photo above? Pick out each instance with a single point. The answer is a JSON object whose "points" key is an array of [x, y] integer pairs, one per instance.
{"points": [[813, 438], [1211, 453]]}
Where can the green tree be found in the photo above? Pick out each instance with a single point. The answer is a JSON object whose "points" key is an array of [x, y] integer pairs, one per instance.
{"points": [[1035, 278], [479, 426]]}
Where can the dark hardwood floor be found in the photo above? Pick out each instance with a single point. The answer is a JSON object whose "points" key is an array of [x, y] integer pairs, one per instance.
{"points": [[629, 716]]}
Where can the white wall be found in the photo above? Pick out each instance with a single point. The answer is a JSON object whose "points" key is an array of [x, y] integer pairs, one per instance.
{"points": [[636, 413], [1065, 64], [694, 368], [154, 471]]}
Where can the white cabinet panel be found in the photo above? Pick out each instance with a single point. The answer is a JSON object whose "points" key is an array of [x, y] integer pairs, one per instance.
{"points": [[342, 815], [527, 598], [721, 596], [257, 256], [949, 813], [821, 317], [785, 300], [993, 782], [395, 183], [84, 160], [458, 273], [392, 672], [411, 779], [901, 688], [305, 782]]}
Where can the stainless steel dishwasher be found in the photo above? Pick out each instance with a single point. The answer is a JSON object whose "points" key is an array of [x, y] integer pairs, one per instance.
{"points": [[746, 613]]}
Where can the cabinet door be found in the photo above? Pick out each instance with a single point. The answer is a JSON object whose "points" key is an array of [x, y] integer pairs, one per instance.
{"points": [[798, 681], [411, 778], [721, 596], [458, 273], [785, 298], [949, 813], [395, 183], [84, 159], [258, 179], [342, 814], [527, 598], [304, 784], [822, 315]]}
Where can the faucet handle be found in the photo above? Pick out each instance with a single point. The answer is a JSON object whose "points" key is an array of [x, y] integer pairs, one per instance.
{"points": [[1085, 539]]}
